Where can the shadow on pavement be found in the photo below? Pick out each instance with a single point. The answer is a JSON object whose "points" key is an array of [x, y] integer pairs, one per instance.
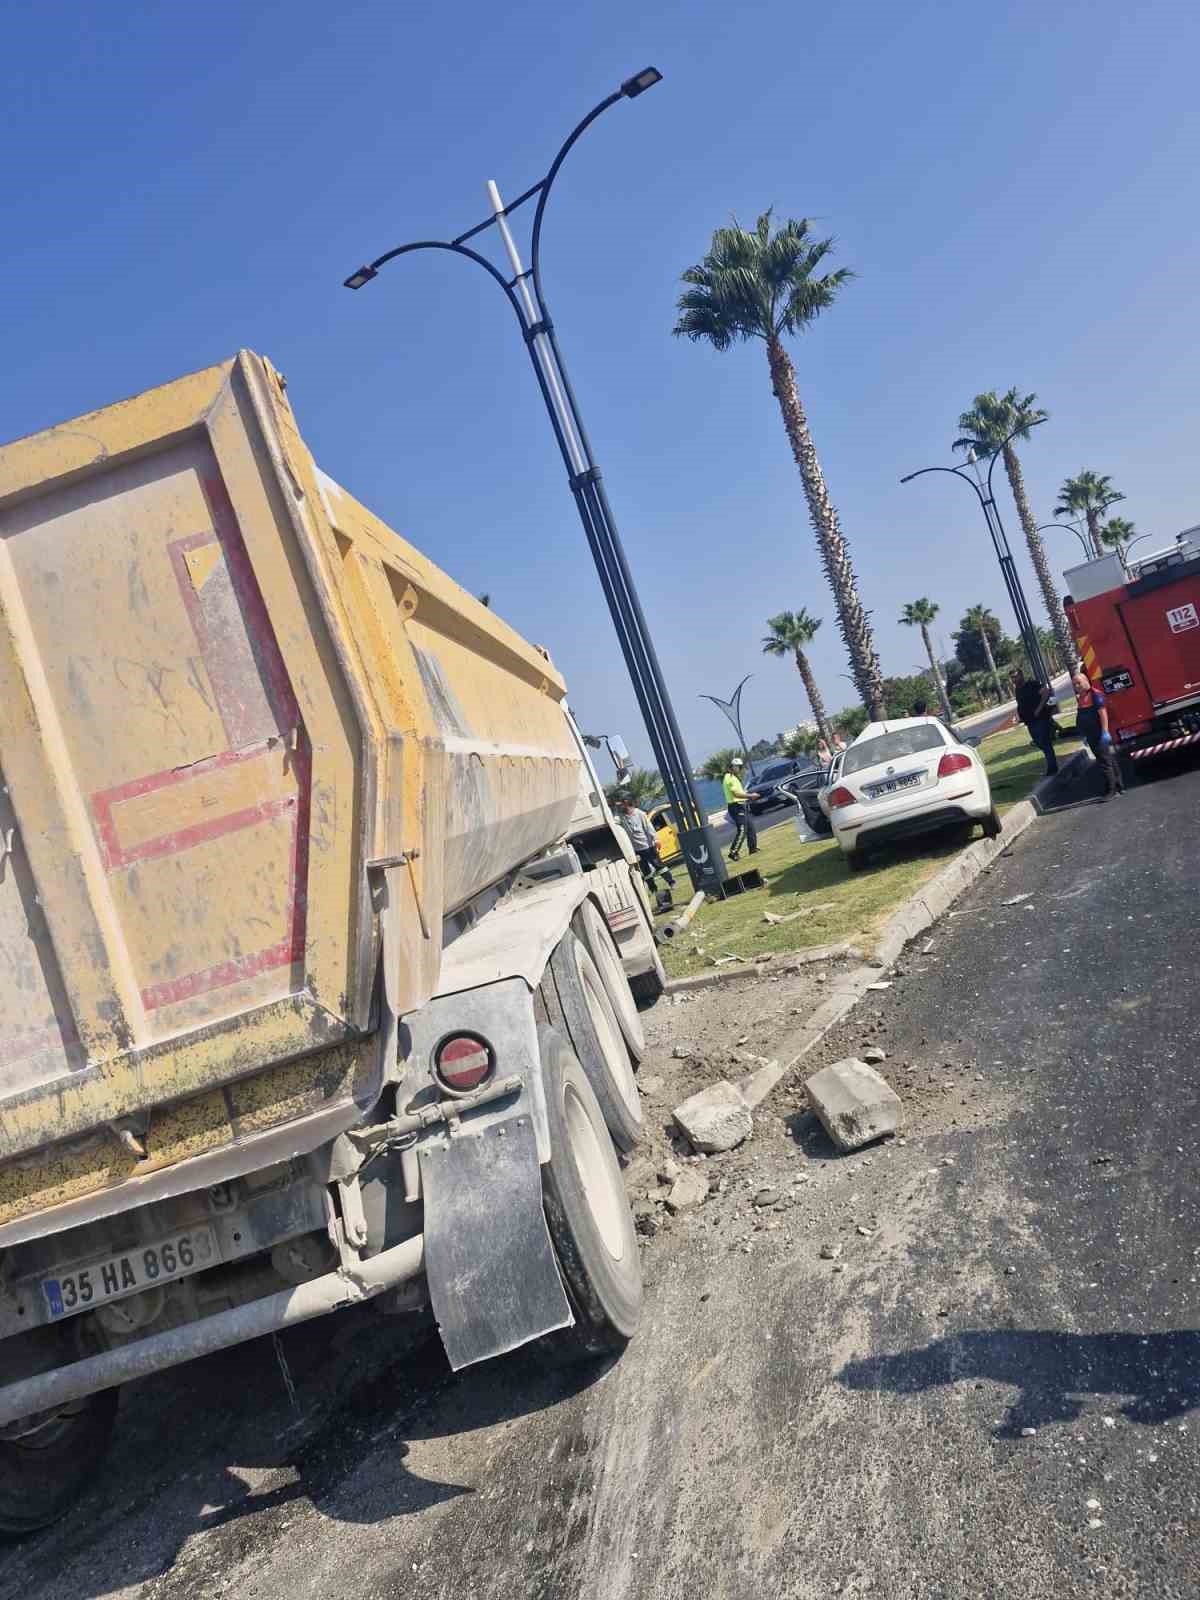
{"points": [[1055, 1372], [202, 1447]]}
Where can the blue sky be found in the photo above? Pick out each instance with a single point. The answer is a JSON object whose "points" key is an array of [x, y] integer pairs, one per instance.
{"points": [[1015, 188]]}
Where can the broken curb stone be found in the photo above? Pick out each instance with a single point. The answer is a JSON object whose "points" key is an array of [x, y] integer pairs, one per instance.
{"points": [[715, 1119], [874, 1056], [854, 1103]]}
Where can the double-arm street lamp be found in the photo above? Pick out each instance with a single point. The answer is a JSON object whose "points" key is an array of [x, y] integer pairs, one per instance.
{"points": [[982, 489], [526, 295], [1088, 553]]}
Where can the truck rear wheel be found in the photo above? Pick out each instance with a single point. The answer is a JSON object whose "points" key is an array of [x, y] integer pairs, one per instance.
{"points": [[596, 934], [577, 1004], [587, 1210], [43, 1472]]}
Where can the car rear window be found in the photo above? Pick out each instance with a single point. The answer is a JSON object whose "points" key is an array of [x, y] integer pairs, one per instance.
{"points": [[892, 747]]}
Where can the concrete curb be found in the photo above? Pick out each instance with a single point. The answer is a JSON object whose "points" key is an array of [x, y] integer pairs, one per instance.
{"points": [[848, 991], [1044, 793], [918, 914], [777, 966]]}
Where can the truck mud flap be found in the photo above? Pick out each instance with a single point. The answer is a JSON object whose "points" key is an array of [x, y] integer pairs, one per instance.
{"points": [[493, 1278]]}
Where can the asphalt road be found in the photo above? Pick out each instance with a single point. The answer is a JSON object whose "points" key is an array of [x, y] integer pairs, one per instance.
{"points": [[786, 1425]]}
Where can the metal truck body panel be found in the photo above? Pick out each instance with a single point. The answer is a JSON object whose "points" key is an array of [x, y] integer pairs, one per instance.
{"points": [[226, 689]]}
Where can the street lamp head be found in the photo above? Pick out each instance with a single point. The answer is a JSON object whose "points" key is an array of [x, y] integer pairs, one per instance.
{"points": [[640, 82], [363, 275]]}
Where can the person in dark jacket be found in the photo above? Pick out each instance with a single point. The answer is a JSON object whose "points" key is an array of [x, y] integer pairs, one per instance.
{"points": [[1033, 708], [1091, 723]]}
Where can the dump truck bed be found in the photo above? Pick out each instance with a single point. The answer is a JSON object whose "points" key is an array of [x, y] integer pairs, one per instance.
{"points": [[226, 689]]}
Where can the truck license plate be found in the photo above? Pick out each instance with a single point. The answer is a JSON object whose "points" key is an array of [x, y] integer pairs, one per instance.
{"points": [[112, 1276]]}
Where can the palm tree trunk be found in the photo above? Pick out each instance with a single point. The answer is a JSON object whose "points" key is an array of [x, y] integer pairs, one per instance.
{"points": [[1093, 522], [991, 661], [1037, 552], [853, 621], [814, 697], [937, 676]]}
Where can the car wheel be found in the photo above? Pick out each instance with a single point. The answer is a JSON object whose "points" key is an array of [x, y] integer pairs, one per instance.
{"points": [[856, 860], [992, 824]]}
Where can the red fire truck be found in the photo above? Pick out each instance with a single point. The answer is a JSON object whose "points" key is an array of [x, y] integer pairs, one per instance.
{"points": [[1138, 632]]}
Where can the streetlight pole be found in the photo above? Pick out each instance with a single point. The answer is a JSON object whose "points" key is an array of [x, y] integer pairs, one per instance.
{"points": [[1088, 552], [982, 489], [733, 710], [1125, 549], [526, 295]]}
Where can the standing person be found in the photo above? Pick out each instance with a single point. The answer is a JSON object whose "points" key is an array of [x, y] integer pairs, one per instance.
{"points": [[645, 845], [1091, 722], [738, 802], [920, 708], [839, 744], [1033, 708]]}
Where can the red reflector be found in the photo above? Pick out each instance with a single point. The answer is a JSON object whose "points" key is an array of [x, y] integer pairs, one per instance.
{"points": [[841, 796], [952, 763], [463, 1062]]}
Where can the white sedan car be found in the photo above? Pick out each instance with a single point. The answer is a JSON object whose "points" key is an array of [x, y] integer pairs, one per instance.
{"points": [[906, 777]]}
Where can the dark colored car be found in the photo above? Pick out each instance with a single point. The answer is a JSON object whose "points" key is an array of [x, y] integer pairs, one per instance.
{"points": [[767, 780]]}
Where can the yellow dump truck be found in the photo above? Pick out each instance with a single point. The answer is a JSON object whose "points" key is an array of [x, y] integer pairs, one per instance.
{"points": [[316, 935]]}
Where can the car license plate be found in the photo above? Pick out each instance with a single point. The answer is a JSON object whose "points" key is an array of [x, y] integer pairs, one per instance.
{"points": [[892, 784], [112, 1276]]}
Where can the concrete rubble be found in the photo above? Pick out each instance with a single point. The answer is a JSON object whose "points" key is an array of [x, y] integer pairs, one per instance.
{"points": [[689, 1189], [715, 1119], [854, 1103]]}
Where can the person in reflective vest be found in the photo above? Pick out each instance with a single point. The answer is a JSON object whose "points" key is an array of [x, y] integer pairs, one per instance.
{"points": [[738, 802]]}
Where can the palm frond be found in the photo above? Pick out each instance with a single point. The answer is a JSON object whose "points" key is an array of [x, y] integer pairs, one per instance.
{"points": [[757, 283]]}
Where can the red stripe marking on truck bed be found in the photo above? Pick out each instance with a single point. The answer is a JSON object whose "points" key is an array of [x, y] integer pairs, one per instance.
{"points": [[241, 679]]}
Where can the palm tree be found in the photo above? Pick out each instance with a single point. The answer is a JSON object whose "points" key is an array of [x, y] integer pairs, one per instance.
{"points": [[977, 620], [1117, 532], [790, 632], [717, 764], [639, 785], [1048, 645], [1090, 493], [992, 423], [763, 285], [919, 614]]}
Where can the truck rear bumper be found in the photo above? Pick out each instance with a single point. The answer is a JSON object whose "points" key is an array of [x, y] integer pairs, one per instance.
{"points": [[1140, 753], [347, 1286]]}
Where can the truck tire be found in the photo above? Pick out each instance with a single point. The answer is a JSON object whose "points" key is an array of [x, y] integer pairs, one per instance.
{"points": [[43, 1474], [578, 1006], [587, 1211], [597, 935]]}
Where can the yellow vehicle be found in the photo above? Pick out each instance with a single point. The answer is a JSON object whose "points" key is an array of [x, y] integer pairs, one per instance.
{"points": [[315, 931], [666, 830]]}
